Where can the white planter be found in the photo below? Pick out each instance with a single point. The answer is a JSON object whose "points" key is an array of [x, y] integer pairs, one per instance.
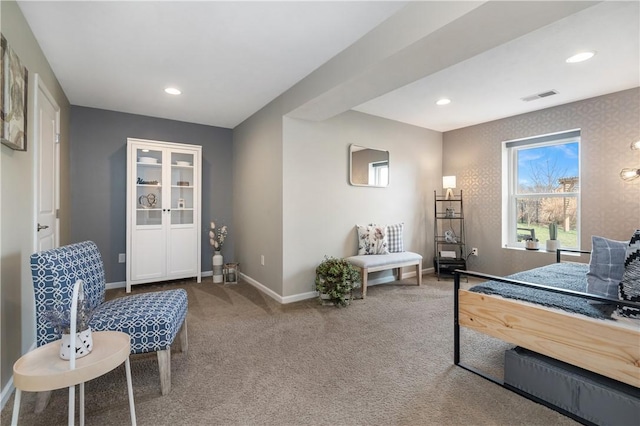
{"points": [[84, 344], [553, 245], [531, 245]]}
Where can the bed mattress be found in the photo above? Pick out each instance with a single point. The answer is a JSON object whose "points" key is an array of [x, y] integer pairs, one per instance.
{"points": [[568, 276]]}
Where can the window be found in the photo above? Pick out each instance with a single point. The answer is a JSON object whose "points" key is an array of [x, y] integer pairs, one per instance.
{"points": [[541, 185], [379, 173]]}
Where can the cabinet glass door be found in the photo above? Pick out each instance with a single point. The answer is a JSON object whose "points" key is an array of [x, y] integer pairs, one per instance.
{"points": [[148, 192], [182, 188]]}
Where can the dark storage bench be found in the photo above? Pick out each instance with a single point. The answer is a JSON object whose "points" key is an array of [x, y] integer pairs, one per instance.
{"points": [[589, 396]]}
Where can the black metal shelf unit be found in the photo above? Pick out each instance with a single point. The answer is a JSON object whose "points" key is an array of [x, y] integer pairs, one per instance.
{"points": [[448, 235]]}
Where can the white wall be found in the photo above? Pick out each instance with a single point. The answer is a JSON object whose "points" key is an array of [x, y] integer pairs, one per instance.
{"points": [[321, 208]]}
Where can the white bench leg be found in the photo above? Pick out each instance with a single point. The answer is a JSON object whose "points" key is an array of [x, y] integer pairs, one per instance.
{"points": [[363, 279], [419, 273]]}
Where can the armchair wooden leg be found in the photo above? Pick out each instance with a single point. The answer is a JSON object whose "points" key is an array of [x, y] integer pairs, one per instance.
{"points": [[42, 400], [164, 365], [419, 272], [182, 337]]}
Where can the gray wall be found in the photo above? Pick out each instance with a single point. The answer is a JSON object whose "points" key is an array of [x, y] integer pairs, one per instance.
{"points": [[610, 206], [257, 201], [98, 178], [17, 220]]}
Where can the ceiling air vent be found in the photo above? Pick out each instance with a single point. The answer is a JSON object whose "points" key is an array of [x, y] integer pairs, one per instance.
{"points": [[540, 95]]}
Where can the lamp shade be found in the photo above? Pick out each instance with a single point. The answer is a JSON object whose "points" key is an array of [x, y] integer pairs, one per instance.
{"points": [[448, 181], [635, 145]]}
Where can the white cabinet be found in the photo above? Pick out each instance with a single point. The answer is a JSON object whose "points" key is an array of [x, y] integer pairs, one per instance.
{"points": [[163, 211]]}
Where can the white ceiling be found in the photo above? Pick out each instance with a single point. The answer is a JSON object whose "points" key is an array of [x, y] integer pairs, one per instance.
{"points": [[491, 85], [232, 58]]}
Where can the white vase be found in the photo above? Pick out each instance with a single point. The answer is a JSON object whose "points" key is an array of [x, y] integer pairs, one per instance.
{"points": [[553, 245], [84, 344], [217, 267]]}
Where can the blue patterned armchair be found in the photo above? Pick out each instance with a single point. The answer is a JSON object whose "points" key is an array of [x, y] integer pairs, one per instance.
{"points": [[152, 320]]}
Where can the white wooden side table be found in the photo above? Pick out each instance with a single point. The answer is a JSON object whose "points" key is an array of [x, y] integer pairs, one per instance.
{"points": [[43, 370]]}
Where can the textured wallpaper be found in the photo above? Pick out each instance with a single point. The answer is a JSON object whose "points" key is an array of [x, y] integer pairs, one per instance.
{"points": [[610, 206]]}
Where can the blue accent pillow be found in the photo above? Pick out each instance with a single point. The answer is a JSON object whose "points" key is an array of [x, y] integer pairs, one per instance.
{"points": [[606, 266]]}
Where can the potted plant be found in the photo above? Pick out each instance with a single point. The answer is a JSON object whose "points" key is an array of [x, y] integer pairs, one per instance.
{"points": [[531, 243], [552, 243], [335, 280]]}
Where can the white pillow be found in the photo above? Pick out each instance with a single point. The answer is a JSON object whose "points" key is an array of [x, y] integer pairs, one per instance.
{"points": [[372, 239]]}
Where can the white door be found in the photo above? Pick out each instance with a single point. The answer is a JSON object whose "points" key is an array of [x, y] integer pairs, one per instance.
{"points": [[47, 128]]}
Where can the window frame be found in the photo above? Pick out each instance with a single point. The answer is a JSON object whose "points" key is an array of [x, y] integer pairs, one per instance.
{"points": [[510, 172]]}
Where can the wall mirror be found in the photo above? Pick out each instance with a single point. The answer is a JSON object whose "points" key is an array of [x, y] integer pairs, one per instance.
{"points": [[368, 166]]}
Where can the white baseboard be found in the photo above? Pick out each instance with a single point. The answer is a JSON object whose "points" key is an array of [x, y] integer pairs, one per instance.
{"points": [[312, 294], [119, 284], [123, 284], [289, 299], [275, 296]]}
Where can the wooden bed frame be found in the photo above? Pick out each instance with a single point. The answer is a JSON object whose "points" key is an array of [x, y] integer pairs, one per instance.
{"points": [[610, 348]]}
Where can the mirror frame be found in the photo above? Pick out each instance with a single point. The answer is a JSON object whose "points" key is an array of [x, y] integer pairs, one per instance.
{"points": [[355, 148]]}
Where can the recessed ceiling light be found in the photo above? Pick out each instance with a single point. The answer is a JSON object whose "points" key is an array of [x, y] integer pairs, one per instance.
{"points": [[583, 56], [172, 91], [443, 101]]}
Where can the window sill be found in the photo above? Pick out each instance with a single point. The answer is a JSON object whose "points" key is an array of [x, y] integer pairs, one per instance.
{"points": [[542, 250]]}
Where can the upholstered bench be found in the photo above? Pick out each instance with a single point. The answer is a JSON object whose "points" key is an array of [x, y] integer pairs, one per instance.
{"points": [[382, 262]]}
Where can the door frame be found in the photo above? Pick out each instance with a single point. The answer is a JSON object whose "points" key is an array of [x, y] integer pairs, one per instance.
{"points": [[40, 87]]}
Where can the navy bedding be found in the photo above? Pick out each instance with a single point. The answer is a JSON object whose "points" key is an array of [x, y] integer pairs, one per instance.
{"points": [[569, 276]]}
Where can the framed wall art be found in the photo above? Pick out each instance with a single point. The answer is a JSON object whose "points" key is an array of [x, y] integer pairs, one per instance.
{"points": [[14, 81]]}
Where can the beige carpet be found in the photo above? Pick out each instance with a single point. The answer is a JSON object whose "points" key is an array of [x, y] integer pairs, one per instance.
{"points": [[385, 360]]}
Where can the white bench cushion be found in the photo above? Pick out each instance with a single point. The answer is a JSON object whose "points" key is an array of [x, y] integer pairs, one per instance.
{"points": [[376, 260]]}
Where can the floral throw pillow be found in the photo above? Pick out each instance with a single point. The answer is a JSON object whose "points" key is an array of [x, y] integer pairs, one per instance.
{"points": [[372, 239], [629, 288]]}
